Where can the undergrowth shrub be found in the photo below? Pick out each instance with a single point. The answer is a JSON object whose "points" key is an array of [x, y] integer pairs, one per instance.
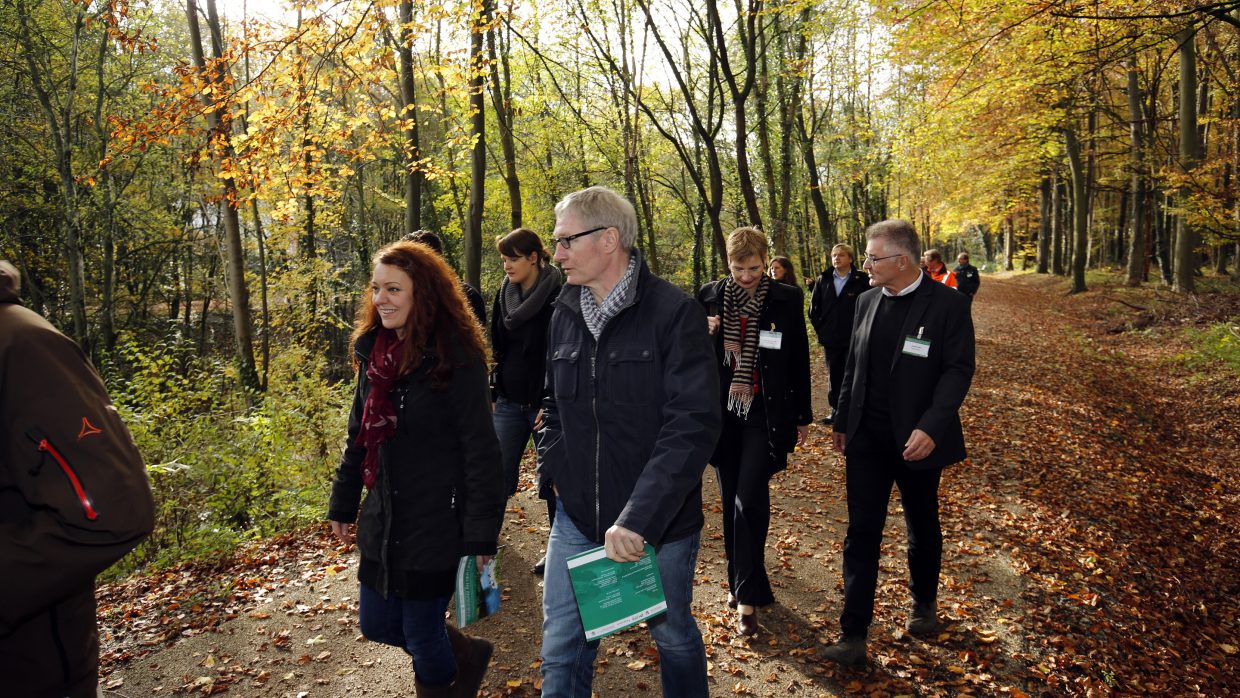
{"points": [[224, 472], [1219, 343]]}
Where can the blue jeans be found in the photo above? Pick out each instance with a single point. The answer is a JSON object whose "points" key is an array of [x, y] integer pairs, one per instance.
{"points": [[417, 627], [568, 660], [514, 423]]}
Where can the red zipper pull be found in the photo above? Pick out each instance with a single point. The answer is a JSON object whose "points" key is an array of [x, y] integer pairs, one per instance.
{"points": [[88, 508]]}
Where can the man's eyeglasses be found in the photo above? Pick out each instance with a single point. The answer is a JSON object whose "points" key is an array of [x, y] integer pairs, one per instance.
{"points": [[567, 240], [874, 260]]}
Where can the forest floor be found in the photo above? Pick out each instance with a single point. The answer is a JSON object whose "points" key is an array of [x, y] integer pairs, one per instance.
{"points": [[1091, 547]]}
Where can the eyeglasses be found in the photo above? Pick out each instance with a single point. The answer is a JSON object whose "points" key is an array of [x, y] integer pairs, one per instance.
{"points": [[567, 240], [874, 260]]}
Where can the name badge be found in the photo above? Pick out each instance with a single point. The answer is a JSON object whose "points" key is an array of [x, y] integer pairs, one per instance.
{"points": [[769, 339], [916, 347]]}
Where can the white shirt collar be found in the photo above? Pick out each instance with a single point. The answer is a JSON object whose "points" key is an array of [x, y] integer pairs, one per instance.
{"points": [[907, 289]]}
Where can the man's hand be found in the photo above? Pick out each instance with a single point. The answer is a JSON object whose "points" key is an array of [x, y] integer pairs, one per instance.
{"points": [[802, 433], [838, 439], [623, 545], [482, 560], [712, 324], [343, 532], [918, 446]]}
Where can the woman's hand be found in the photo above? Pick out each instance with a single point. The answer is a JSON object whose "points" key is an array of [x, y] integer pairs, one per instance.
{"points": [[712, 324], [343, 532], [802, 433], [482, 560]]}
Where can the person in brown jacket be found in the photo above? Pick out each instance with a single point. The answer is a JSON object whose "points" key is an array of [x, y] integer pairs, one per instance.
{"points": [[74, 498]]}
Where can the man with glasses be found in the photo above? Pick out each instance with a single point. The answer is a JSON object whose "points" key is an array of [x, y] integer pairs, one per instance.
{"points": [[909, 368], [631, 415]]}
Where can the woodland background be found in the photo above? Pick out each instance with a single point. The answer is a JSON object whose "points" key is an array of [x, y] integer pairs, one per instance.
{"points": [[193, 192]]}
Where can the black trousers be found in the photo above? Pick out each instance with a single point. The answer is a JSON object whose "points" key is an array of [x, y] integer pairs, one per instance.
{"points": [[743, 465], [836, 359], [874, 463]]}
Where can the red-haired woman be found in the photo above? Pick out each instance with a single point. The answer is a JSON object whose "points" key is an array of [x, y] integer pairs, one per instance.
{"points": [[421, 441]]}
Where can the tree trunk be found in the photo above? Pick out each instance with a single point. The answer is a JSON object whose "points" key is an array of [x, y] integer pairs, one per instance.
{"points": [[409, 116], [740, 92], [1044, 226], [501, 100], [58, 110], [478, 157], [1080, 209], [1057, 216], [1186, 237], [1136, 241], [220, 123], [1009, 243]]}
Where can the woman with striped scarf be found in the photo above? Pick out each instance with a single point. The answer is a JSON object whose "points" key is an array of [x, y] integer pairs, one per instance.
{"points": [[763, 357]]}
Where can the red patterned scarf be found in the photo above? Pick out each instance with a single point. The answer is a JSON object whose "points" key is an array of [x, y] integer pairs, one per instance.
{"points": [[378, 413]]}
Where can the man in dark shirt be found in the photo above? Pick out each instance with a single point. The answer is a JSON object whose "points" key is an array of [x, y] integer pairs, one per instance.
{"points": [[909, 368], [968, 278]]}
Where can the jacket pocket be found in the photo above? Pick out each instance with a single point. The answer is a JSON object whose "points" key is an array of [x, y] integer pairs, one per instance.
{"points": [[564, 369], [630, 374], [44, 445]]}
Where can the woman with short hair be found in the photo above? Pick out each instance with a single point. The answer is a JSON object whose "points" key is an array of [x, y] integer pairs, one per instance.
{"points": [[763, 354]]}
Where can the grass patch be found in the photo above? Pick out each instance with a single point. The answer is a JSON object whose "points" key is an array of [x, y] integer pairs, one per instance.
{"points": [[1216, 344]]}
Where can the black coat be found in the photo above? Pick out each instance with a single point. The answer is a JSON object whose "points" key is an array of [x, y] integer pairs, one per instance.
{"points": [[783, 373], [630, 419], [439, 493], [968, 279], [521, 351], [831, 314], [930, 389]]}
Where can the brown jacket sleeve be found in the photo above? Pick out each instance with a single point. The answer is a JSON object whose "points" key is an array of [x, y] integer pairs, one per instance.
{"points": [[74, 494]]}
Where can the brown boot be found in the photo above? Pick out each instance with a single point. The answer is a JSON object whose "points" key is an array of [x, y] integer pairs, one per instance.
{"points": [[421, 690], [473, 654]]}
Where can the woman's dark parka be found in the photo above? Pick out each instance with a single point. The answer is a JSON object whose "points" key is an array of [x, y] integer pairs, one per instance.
{"points": [[783, 373], [439, 493]]}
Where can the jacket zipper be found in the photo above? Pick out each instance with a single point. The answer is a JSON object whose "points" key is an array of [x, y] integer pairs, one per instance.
{"points": [[598, 436], [88, 507]]}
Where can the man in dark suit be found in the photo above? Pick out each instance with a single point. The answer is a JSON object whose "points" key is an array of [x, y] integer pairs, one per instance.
{"points": [[831, 307], [909, 368], [968, 279]]}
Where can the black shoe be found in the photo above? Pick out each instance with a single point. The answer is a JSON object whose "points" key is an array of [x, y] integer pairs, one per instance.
{"points": [[829, 419], [923, 619], [540, 566], [747, 624], [849, 651]]}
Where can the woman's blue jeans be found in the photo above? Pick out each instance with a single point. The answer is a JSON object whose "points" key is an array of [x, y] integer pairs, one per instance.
{"points": [[514, 423], [416, 626]]}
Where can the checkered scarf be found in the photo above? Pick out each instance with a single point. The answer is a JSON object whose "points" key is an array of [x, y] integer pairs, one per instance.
{"points": [[598, 315]]}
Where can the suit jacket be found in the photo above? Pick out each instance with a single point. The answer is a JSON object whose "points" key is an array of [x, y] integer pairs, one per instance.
{"points": [[784, 372], [831, 314], [926, 392]]}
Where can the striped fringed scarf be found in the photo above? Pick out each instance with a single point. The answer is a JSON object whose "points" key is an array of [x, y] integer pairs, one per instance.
{"points": [[740, 352]]}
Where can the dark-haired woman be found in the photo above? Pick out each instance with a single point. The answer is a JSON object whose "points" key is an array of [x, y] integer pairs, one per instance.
{"points": [[763, 356], [519, 322], [421, 442], [781, 270]]}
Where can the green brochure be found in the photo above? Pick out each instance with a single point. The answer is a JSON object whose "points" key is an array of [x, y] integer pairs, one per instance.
{"points": [[613, 595]]}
